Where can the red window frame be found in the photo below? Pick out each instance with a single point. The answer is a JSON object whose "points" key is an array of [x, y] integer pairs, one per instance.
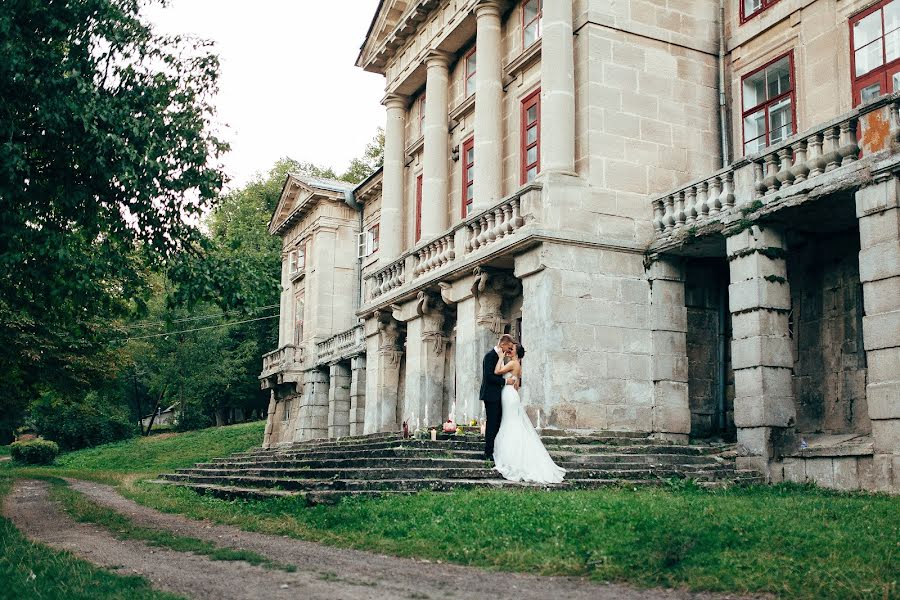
{"points": [[470, 55], [299, 308], [538, 18], [532, 99], [792, 92], [422, 114], [375, 232], [763, 7], [883, 74], [468, 183], [418, 208]]}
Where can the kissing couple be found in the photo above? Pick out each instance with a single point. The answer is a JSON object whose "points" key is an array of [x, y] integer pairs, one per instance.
{"points": [[510, 439]]}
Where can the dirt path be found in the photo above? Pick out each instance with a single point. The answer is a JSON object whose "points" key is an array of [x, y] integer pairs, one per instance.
{"points": [[323, 571]]}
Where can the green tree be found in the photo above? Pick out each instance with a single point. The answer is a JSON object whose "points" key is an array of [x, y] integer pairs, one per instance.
{"points": [[372, 159], [107, 163]]}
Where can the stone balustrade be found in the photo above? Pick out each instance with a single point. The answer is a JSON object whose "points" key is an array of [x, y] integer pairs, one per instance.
{"points": [[493, 224], [341, 345], [434, 255], [477, 232], [278, 361], [781, 168]]}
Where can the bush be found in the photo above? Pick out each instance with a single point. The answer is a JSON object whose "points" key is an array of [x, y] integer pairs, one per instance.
{"points": [[34, 452], [82, 422]]}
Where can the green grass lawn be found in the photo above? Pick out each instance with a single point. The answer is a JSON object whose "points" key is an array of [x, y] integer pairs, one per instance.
{"points": [[30, 570], [795, 542]]}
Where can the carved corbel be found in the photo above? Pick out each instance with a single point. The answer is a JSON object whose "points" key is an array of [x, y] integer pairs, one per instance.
{"points": [[446, 290], [430, 309]]}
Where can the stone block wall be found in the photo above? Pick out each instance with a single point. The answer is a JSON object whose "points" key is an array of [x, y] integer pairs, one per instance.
{"points": [[830, 362], [585, 317]]}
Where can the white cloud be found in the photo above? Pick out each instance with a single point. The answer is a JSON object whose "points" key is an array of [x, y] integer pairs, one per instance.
{"points": [[289, 86]]}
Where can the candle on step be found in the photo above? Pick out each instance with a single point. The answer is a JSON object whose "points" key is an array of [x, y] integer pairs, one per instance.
{"points": [[433, 434]]}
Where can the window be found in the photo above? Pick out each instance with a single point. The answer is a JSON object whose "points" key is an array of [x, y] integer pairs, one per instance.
{"points": [[751, 8], [367, 241], [470, 73], [375, 237], [299, 305], [768, 104], [531, 136], [301, 257], [468, 176], [422, 114], [418, 208], [293, 262], [875, 61], [286, 413], [532, 15]]}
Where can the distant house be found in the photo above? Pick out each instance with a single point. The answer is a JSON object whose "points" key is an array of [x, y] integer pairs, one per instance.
{"points": [[162, 417]]}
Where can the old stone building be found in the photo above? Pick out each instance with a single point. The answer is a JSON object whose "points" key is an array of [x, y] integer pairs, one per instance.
{"points": [[687, 211]]}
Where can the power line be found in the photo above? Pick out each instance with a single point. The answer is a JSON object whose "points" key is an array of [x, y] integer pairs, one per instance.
{"points": [[155, 335], [200, 317]]}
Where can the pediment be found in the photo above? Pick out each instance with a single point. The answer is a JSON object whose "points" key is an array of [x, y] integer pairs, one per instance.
{"points": [[300, 194], [387, 17]]}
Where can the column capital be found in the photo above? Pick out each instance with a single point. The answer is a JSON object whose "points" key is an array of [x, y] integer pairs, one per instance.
{"points": [[438, 58], [487, 8], [395, 101]]}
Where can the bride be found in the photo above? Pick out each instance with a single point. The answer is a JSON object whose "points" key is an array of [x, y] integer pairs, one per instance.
{"points": [[519, 454]]}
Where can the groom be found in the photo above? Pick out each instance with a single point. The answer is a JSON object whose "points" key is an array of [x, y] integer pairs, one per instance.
{"points": [[491, 389]]}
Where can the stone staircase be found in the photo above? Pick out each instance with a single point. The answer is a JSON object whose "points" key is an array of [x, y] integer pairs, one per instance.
{"points": [[323, 471]]}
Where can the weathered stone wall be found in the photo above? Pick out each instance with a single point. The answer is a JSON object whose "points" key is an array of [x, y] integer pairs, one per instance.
{"points": [[830, 362], [585, 317], [708, 345]]}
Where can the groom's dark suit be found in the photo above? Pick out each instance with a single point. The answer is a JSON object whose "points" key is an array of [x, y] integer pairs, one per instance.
{"points": [[491, 389]]}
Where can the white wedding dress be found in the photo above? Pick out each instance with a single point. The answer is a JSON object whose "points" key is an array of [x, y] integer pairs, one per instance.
{"points": [[519, 454]]}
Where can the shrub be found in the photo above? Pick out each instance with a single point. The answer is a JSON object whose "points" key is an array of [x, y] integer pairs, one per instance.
{"points": [[34, 452], [80, 422]]}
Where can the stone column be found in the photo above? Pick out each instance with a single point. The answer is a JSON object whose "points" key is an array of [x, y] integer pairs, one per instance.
{"points": [[472, 342], [312, 419], [339, 400], [669, 366], [391, 244], [357, 395], [270, 420], [557, 89], [878, 211], [433, 349], [383, 376], [285, 327], [488, 107], [761, 352], [436, 153]]}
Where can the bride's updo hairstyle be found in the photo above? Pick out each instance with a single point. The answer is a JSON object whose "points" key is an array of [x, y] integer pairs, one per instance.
{"points": [[520, 351]]}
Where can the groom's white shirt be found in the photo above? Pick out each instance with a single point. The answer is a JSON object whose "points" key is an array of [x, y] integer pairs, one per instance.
{"points": [[497, 350]]}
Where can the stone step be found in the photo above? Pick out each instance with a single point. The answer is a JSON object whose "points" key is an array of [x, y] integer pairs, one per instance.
{"points": [[468, 460]]}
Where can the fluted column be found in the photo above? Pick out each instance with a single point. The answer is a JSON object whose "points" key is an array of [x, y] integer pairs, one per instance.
{"points": [[488, 107], [557, 88], [391, 244], [436, 126]]}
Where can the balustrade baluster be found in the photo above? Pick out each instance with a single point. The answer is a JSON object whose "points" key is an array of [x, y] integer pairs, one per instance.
{"points": [[658, 212], [517, 219], [784, 175], [800, 169], [507, 219], [669, 217], [771, 178], [816, 161], [491, 222], [759, 180], [848, 146], [727, 198], [679, 209], [715, 189], [483, 236], [831, 148], [702, 199], [690, 208]]}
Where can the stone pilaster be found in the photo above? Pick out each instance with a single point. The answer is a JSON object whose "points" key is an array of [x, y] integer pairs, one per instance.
{"points": [[285, 327], [357, 395], [669, 366], [878, 211], [383, 358], [557, 89], [339, 400], [488, 107], [391, 244], [437, 146], [433, 347], [312, 418], [762, 357], [270, 420], [472, 341]]}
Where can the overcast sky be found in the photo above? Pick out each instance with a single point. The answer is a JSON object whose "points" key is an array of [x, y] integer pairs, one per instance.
{"points": [[289, 86]]}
